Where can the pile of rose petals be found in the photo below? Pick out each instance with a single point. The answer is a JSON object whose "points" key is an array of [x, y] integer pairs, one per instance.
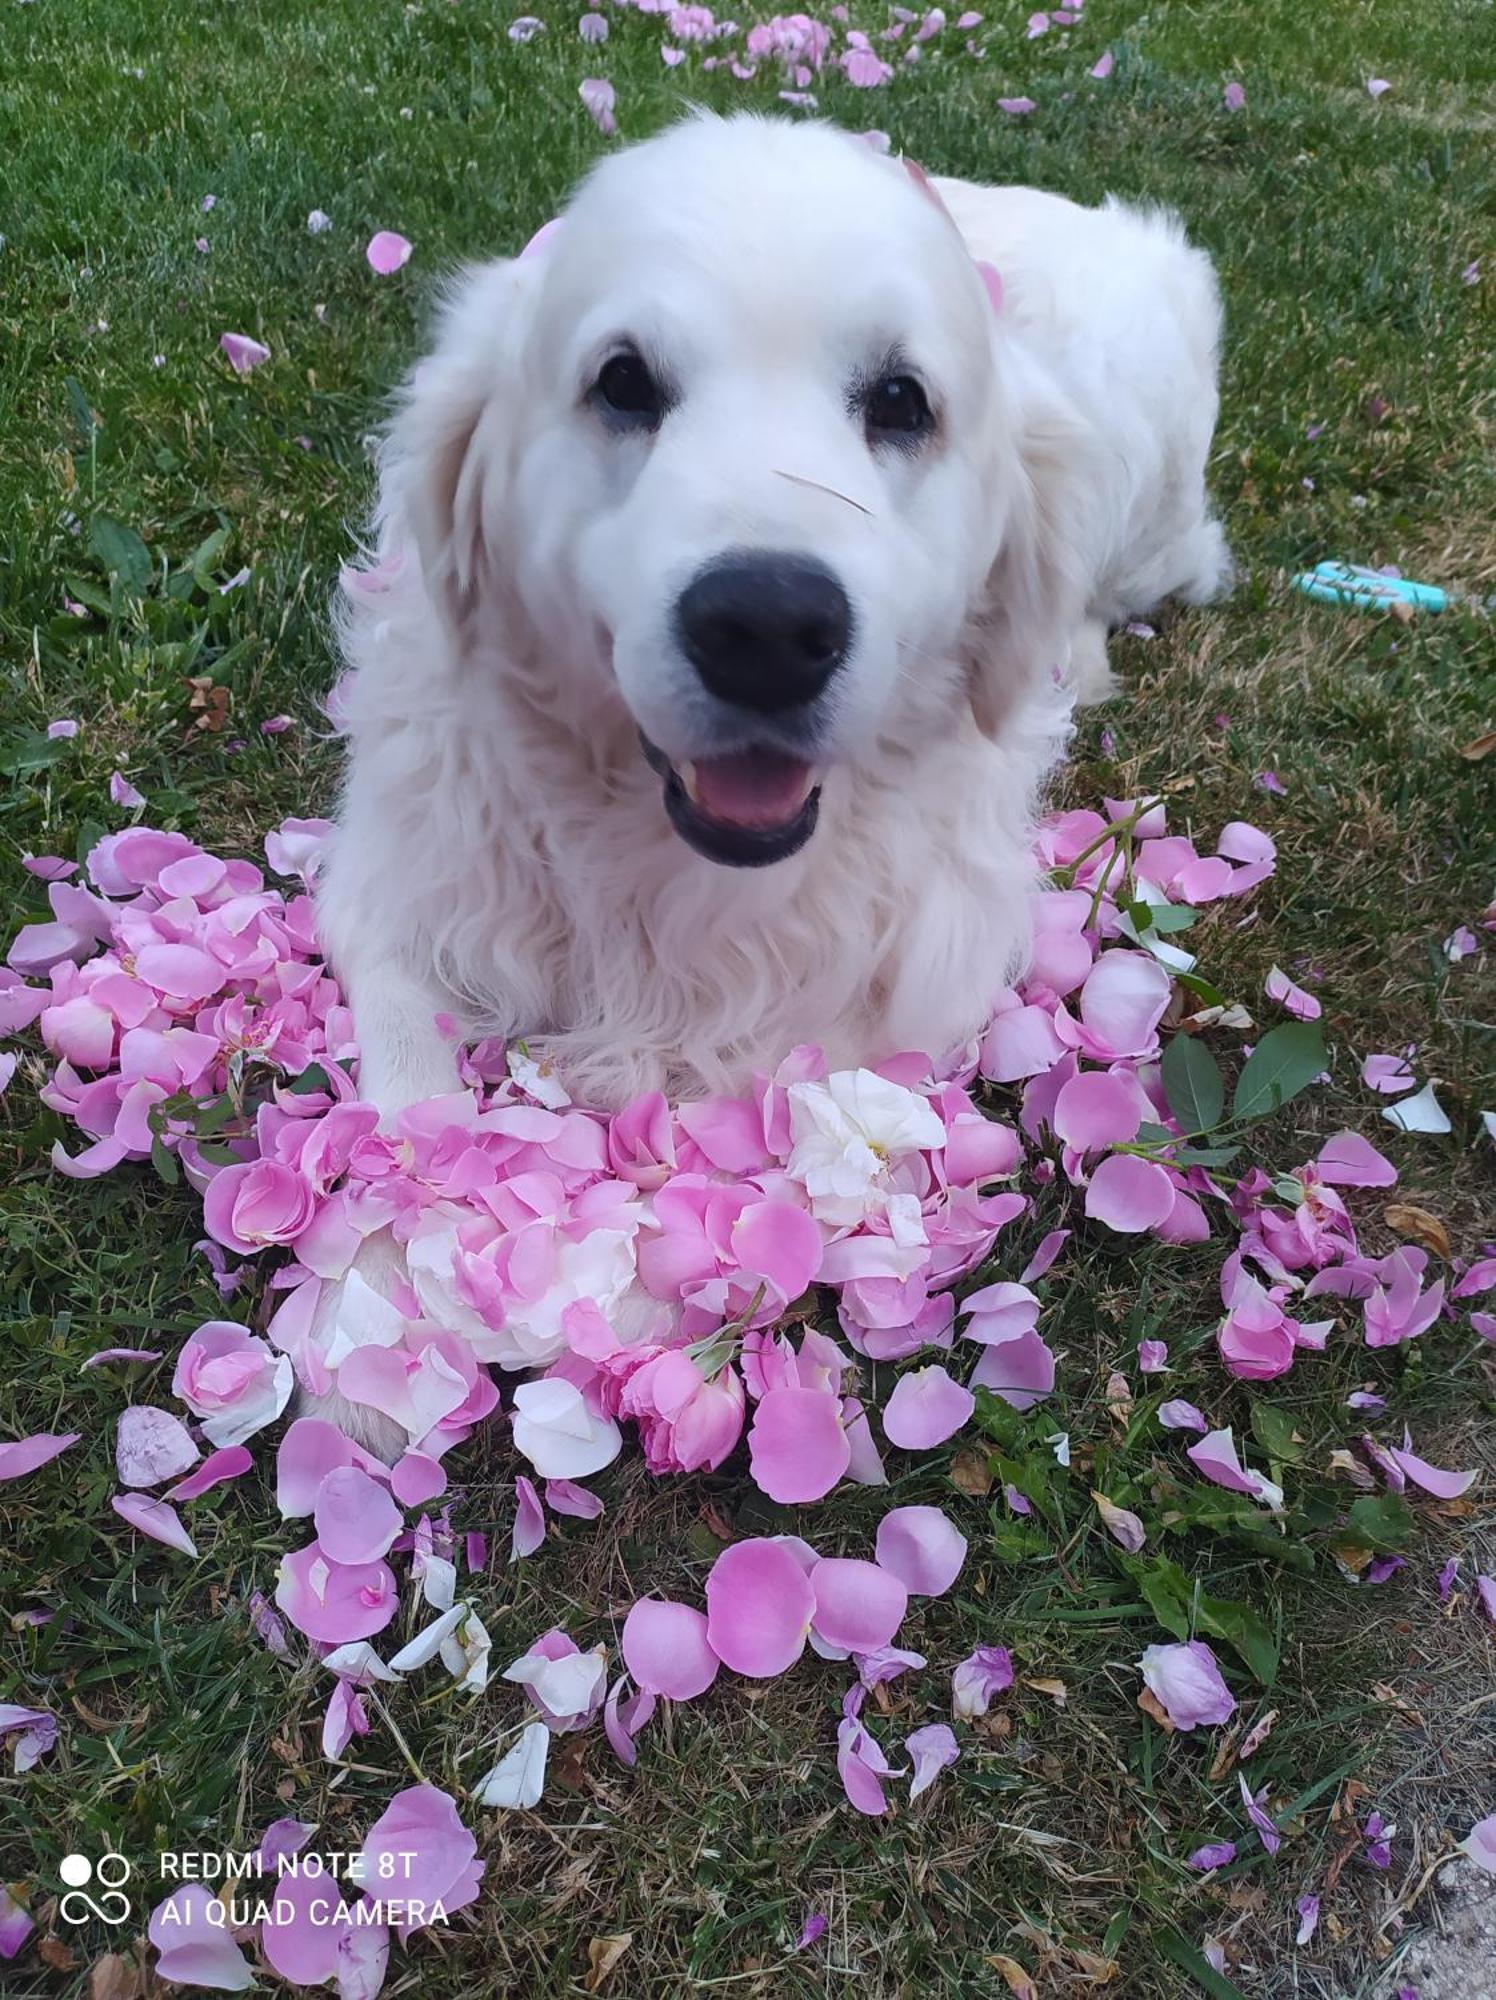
{"points": [[660, 1271]]}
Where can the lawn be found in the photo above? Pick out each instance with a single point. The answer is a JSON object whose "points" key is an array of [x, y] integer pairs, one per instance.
{"points": [[160, 164]]}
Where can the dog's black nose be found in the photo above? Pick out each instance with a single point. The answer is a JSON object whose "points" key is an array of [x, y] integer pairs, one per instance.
{"points": [[765, 632]]}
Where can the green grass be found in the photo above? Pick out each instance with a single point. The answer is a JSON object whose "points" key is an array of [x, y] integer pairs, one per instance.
{"points": [[1341, 228]]}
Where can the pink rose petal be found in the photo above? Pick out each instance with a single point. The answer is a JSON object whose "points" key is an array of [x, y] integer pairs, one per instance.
{"points": [[563, 1496], [1431, 1478], [243, 352], [929, 1750], [417, 1478], [666, 1649], [798, 1446], [29, 1453], [1096, 1111], [759, 1604], [859, 1606], [529, 1520], [927, 1407], [387, 252], [1186, 1681], [922, 1547], [1129, 1194], [355, 1518], [1293, 999], [232, 1462], [1348, 1160], [152, 1446], [154, 1518]]}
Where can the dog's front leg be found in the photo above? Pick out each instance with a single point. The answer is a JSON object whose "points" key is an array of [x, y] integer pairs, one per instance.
{"points": [[404, 1056]]}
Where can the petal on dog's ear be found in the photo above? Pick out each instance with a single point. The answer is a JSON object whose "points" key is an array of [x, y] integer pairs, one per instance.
{"points": [[439, 476]]}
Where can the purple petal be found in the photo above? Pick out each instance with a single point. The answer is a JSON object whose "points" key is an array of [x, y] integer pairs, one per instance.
{"points": [[529, 1520], [1177, 1415], [1431, 1478], [1217, 1854], [562, 1496], [929, 1750], [243, 353]]}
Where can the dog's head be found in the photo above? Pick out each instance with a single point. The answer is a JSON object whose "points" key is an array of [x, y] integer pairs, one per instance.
{"points": [[741, 441]]}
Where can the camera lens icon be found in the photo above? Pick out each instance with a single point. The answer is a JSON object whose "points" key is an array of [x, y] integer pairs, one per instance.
{"points": [[109, 1873]]}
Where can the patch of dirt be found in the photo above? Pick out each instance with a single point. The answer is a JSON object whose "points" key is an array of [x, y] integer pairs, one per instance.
{"points": [[1455, 1958]]}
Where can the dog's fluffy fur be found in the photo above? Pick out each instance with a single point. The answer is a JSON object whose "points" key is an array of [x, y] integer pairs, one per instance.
{"points": [[502, 852]]}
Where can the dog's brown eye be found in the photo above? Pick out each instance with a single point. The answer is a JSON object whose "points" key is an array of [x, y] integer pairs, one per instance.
{"points": [[896, 407], [628, 392]]}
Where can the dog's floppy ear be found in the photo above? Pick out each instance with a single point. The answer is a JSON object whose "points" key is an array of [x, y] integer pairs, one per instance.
{"points": [[447, 462], [1034, 603]]}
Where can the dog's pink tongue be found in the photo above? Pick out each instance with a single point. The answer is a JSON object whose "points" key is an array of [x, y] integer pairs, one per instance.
{"points": [[752, 788]]}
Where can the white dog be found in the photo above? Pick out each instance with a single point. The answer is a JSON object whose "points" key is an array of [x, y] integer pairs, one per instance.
{"points": [[730, 548]]}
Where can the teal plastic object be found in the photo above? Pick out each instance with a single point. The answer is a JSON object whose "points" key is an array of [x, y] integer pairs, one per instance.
{"points": [[1367, 589]]}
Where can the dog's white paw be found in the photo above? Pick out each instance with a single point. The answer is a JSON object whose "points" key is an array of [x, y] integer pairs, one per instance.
{"points": [[1089, 671]]}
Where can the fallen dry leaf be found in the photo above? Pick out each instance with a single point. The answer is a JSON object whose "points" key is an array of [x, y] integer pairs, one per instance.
{"points": [[104, 1722], [1224, 1757], [1343, 1465], [53, 1952], [1118, 1397], [1351, 1556], [1056, 1690], [115, 1978], [1482, 746], [971, 1474], [1094, 1969], [603, 1953], [1418, 1226], [1150, 1704], [211, 702], [1246, 1896], [1018, 1979], [1393, 1699]]}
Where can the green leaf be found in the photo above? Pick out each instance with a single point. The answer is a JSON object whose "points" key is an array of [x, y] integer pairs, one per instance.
{"points": [[1246, 1631], [1210, 996], [1116, 1930], [1284, 1062], [1157, 1586], [313, 1077], [1205, 1156], [205, 556], [1383, 1522], [18, 759], [1193, 1086], [1170, 917], [1017, 1541], [121, 552], [1184, 1955], [83, 414], [1183, 1609], [1273, 1429], [164, 1161], [89, 594]]}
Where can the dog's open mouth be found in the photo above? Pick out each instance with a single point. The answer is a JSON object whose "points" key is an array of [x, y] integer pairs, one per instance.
{"points": [[746, 809]]}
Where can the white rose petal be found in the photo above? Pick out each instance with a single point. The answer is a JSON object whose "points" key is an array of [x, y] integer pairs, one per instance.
{"points": [[557, 1432], [518, 1779]]}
